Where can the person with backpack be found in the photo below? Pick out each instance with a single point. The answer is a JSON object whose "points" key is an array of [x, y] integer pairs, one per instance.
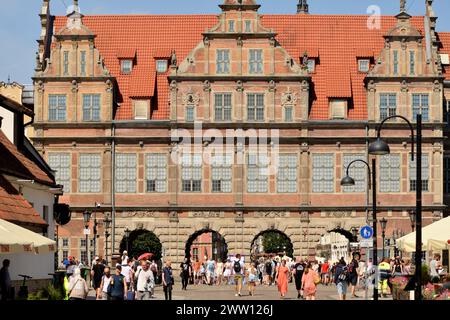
{"points": [[298, 270], [238, 272], [341, 278], [353, 273], [78, 288], [118, 289]]}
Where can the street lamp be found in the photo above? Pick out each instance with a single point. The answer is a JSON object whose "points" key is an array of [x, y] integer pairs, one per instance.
{"points": [[380, 147], [383, 223], [107, 223], [412, 218], [127, 235], [87, 219], [349, 181]]}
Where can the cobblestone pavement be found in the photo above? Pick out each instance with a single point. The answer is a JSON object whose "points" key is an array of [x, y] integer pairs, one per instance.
{"points": [[226, 292]]}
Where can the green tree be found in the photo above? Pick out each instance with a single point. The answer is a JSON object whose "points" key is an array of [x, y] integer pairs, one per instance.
{"points": [[275, 242], [146, 242]]}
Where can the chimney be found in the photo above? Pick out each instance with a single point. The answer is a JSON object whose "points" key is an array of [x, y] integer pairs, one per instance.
{"points": [[302, 7]]}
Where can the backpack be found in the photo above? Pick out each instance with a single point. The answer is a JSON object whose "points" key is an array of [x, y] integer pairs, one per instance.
{"points": [[343, 276], [237, 266]]}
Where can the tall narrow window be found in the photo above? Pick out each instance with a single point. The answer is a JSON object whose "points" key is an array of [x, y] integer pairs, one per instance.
{"points": [[257, 173], [61, 164], [57, 107], [91, 107], [190, 113], [363, 65], [156, 172], [425, 173], [65, 242], [358, 171], [256, 61], [66, 63], [126, 66], [388, 105], [311, 65], [83, 63], [421, 106], [323, 173], [223, 106], [191, 172], [288, 114], [126, 173], [287, 173], [255, 107], [395, 62], [231, 26], [222, 173], [223, 61], [90, 173], [412, 63], [248, 26], [390, 174], [141, 109], [447, 174]]}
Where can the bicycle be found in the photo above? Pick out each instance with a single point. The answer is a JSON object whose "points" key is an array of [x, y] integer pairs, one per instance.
{"points": [[23, 290]]}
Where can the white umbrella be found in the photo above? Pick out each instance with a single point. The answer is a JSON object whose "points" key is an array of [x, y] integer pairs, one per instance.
{"points": [[15, 239], [435, 236]]}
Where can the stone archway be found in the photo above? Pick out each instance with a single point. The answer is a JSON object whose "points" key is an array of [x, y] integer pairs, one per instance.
{"points": [[286, 245], [214, 246], [142, 241]]}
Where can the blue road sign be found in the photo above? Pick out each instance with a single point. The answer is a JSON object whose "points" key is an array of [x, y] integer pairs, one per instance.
{"points": [[366, 232]]}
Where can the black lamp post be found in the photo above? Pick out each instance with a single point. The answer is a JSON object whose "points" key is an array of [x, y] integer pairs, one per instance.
{"points": [[412, 218], [383, 223], [107, 223], [127, 235], [355, 234], [349, 181], [380, 147], [87, 219]]}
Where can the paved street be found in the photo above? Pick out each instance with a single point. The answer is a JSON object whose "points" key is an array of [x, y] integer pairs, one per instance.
{"points": [[262, 293]]}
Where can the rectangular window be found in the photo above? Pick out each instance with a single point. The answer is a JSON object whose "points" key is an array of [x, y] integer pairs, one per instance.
{"points": [[288, 114], [66, 63], [57, 107], [126, 167], [61, 164], [91, 244], [223, 106], [161, 66], [191, 172], [363, 65], [156, 172], [358, 171], [412, 63], [90, 173], [396, 62], [420, 106], [388, 105], [390, 173], [83, 256], [126, 66], [223, 61], [257, 173], [65, 242], [323, 173], [222, 173], [447, 174], [190, 113], [82, 243], [256, 61], [338, 109], [447, 111], [425, 173], [91, 107], [311, 65], [140, 109], [83, 63], [255, 107], [231, 26], [65, 255], [287, 173], [248, 26]]}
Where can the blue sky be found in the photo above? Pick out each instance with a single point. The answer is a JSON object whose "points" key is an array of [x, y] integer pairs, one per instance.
{"points": [[20, 26]]}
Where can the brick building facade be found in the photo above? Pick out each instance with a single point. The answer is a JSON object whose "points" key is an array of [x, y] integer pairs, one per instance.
{"points": [[116, 96]]}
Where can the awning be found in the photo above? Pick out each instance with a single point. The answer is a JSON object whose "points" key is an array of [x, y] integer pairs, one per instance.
{"points": [[15, 239], [435, 236]]}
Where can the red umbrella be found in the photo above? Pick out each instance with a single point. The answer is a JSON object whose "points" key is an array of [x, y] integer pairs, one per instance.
{"points": [[146, 256]]}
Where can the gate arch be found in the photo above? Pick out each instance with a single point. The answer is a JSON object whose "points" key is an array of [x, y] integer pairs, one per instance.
{"points": [[219, 246]]}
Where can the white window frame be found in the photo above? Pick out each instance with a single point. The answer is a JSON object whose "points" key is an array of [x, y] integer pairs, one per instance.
{"points": [[412, 62], [390, 173], [421, 107], [223, 61], [255, 61], [256, 111], [363, 65], [390, 108], [248, 26], [395, 61], [223, 107], [231, 26], [62, 164], [90, 175], [156, 172], [161, 66], [57, 106], [191, 173], [425, 173], [126, 66], [311, 65], [126, 172], [138, 106], [358, 171], [91, 107], [83, 63], [287, 173], [323, 173], [222, 173], [257, 173], [288, 113], [65, 63]]}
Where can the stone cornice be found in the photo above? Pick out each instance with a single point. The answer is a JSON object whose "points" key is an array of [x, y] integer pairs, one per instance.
{"points": [[240, 35], [71, 78], [409, 79], [265, 78]]}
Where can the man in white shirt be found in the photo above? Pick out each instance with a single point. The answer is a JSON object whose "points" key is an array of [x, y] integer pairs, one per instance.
{"points": [[435, 266], [238, 273], [145, 282], [126, 272]]}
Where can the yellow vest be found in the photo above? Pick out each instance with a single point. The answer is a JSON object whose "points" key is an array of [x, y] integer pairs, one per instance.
{"points": [[66, 288]]}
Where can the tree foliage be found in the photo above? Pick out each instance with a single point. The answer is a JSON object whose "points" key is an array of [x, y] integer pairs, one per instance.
{"points": [[274, 242], [141, 242]]}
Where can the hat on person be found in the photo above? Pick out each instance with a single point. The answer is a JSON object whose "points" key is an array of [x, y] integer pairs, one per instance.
{"points": [[96, 259]]}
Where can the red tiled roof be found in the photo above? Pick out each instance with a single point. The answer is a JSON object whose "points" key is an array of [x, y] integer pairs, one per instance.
{"points": [[14, 208], [338, 40], [445, 40], [14, 163]]}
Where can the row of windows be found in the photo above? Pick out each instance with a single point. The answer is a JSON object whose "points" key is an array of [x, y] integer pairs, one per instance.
{"points": [[66, 60], [126, 66], [156, 166], [412, 62], [57, 107], [420, 105]]}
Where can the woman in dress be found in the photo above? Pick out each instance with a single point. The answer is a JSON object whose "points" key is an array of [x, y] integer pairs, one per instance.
{"points": [[252, 277], [282, 279], [219, 272], [227, 272], [310, 279]]}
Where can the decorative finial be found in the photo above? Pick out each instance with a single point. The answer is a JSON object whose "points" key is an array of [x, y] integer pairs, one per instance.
{"points": [[303, 7], [9, 79], [173, 58], [402, 5]]}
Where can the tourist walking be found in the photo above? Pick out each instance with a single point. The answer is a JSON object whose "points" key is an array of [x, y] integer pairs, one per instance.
{"points": [[78, 288], [238, 273], [118, 286], [5, 280], [325, 273], [268, 273], [299, 268], [104, 284], [282, 279], [219, 272], [384, 269], [210, 268], [168, 281], [186, 270], [353, 273], [124, 258], [310, 280], [96, 275], [228, 271], [341, 278], [145, 282], [252, 277]]}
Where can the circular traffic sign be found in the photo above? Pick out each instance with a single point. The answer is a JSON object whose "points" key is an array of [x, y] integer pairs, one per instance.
{"points": [[366, 232]]}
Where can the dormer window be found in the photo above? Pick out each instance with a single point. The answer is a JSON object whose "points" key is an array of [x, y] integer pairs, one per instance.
{"points": [[338, 109], [161, 66], [231, 26], [363, 65], [311, 65], [126, 66]]}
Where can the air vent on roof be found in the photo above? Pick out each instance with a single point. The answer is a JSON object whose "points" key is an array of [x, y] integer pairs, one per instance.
{"points": [[445, 59]]}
